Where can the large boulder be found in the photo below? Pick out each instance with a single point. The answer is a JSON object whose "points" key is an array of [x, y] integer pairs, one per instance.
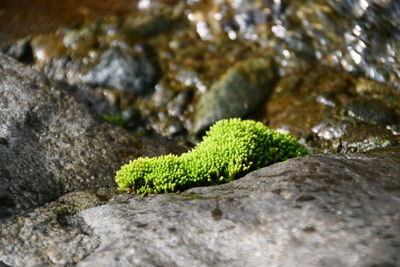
{"points": [[330, 210], [326, 210], [50, 143]]}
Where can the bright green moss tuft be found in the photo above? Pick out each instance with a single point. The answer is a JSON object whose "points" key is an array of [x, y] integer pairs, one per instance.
{"points": [[229, 150]]}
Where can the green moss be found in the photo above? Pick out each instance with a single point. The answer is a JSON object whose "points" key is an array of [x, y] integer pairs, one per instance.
{"points": [[229, 150], [116, 119]]}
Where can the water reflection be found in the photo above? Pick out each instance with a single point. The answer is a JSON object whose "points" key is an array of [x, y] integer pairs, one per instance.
{"points": [[360, 36]]}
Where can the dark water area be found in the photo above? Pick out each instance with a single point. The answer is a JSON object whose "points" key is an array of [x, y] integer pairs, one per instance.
{"points": [[19, 18]]}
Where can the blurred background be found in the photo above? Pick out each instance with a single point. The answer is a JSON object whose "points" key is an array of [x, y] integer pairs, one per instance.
{"points": [[326, 71], [19, 18]]}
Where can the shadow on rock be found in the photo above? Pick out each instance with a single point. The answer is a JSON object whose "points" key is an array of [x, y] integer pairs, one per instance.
{"points": [[51, 144]]}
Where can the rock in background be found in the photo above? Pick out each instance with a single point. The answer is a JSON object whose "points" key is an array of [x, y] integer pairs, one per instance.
{"points": [[334, 111], [172, 68], [238, 92], [123, 72]]}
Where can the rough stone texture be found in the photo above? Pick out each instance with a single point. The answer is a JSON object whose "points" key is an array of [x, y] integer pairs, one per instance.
{"points": [[49, 235], [51, 144], [330, 210], [327, 210]]}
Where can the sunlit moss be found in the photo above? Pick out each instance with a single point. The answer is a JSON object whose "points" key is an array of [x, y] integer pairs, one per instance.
{"points": [[229, 150]]}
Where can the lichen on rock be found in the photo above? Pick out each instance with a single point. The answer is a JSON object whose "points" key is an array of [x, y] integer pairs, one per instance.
{"points": [[229, 150]]}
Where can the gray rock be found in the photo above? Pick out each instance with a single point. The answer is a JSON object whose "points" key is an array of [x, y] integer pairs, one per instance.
{"points": [[125, 72], [49, 235], [51, 144], [327, 210], [238, 92]]}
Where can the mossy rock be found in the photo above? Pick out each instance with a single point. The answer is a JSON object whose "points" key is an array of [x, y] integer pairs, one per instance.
{"points": [[229, 150]]}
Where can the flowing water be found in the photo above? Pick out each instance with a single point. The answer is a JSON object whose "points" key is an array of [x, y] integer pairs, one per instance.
{"points": [[360, 36]]}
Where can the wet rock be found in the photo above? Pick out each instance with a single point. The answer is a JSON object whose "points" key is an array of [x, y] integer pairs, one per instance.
{"points": [[101, 53], [136, 74], [45, 47], [371, 111], [335, 112], [326, 210], [165, 111], [51, 144], [370, 143], [189, 68], [238, 92], [82, 39]]}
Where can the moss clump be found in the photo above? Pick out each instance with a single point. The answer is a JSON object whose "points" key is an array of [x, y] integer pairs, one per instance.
{"points": [[229, 150]]}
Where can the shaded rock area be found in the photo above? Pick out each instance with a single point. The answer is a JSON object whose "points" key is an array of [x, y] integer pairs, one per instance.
{"points": [[21, 51], [51, 144], [327, 210]]}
